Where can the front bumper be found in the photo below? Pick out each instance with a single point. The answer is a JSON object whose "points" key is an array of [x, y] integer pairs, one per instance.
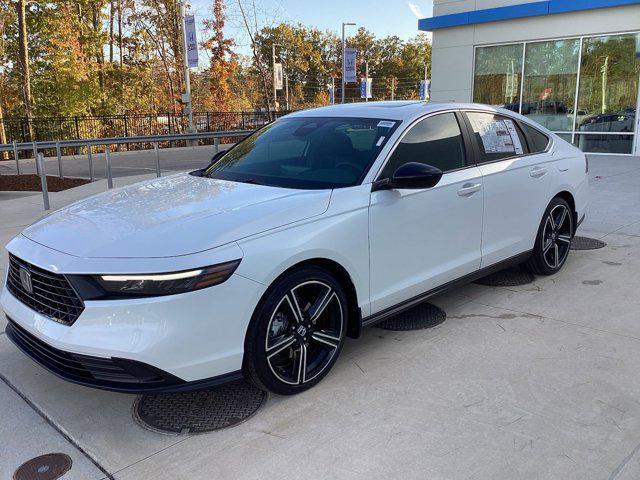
{"points": [[171, 343], [115, 374]]}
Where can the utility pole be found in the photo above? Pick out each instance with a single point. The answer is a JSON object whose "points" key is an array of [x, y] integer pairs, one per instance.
{"points": [[366, 80], [344, 46], [187, 79], [286, 89], [333, 90], [393, 88]]}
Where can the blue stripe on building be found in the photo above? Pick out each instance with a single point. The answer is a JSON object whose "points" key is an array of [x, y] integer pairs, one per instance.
{"points": [[532, 9]]}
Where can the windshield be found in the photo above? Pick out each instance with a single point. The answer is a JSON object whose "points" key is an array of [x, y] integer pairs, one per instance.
{"points": [[309, 153]]}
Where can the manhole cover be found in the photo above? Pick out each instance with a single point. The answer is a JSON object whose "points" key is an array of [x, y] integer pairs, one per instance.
{"points": [[198, 412], [509, 277], [423, 315], [586, 243], [44, 467]]}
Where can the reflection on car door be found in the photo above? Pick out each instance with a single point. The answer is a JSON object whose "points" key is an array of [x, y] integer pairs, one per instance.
{"points": [[516, 185], [421, 239]]}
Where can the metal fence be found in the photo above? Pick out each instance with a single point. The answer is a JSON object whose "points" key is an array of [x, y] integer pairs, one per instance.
{"points": [[35, 149], [129, 125]]}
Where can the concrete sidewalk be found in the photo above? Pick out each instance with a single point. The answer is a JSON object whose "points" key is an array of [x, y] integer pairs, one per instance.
{"points": [[532, 382]]}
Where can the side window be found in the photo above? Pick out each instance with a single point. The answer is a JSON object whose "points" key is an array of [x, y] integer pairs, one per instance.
{"points": [[497, 137], [538, 141], [436, 141]]}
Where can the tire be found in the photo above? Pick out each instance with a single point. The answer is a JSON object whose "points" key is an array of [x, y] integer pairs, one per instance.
{"points": [[296, 332], [553, 240]]}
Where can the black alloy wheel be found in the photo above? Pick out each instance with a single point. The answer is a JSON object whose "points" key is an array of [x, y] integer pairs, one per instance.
{"points": [[297, 332], [554, 237]]}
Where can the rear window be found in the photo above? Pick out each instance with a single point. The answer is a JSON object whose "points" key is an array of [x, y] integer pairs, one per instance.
{"points": [[538, 141]]}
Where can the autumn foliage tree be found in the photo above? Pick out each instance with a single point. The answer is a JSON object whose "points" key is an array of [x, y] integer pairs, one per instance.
{"points": [[223, 59], [115, 57]]}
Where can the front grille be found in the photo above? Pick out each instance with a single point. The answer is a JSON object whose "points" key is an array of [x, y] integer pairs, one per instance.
{"points": [[51, 294], [108, 373]]}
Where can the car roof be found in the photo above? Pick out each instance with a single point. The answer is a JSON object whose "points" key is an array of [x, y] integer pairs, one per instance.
{"points": [[389, 110], [405, 110]]}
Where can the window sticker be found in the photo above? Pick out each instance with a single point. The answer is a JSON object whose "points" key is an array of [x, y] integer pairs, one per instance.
{"points": [[386, 124], [496, 137], [514, 136], [380, 140]]}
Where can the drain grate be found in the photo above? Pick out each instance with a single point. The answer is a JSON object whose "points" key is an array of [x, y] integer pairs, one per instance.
{"points": [[45, 467], [509, 277], [424, 315], [198, 412], [586, 243]]}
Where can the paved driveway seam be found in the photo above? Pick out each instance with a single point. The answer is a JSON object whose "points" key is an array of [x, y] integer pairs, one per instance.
{"points": [[47, 419]]}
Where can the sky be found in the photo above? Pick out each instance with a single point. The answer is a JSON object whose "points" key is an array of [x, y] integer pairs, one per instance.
{"points": [[382, 17]]}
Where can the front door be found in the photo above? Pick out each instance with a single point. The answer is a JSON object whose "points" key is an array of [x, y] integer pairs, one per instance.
{"points": [[421, 239]]}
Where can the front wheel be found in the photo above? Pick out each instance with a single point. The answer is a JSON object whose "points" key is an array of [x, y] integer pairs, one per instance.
{"points": [[297, 332], [553, 240]]}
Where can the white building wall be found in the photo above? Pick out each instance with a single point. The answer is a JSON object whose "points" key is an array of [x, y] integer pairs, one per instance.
{"points": [[452, 56]]}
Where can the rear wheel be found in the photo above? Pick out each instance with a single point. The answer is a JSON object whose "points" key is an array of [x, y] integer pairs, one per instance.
{"points": [[553, 240], [297, 332]]}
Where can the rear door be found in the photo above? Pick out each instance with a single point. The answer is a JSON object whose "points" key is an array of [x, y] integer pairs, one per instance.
{"points": [[516, 184]]}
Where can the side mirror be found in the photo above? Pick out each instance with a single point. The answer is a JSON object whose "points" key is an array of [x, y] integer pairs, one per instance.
{"points": [[412, 175], [217, 156]]}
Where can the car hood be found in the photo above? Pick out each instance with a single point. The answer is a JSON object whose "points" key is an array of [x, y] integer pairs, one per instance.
{"points": [[171, 216]]}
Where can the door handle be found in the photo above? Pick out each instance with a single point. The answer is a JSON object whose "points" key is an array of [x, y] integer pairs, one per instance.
{"points": [[537, 172], [469, 189]]}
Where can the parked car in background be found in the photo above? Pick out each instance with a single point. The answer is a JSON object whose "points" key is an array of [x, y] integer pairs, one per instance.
{"points": [[315, 226]]}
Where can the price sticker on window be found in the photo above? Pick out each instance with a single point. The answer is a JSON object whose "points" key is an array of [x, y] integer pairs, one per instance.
{"points": [[515, 138]]}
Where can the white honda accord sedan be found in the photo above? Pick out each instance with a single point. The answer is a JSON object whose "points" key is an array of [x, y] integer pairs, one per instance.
{"points": [[259, 265]]}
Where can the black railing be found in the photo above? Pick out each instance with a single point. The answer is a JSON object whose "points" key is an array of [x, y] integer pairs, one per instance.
{"points": [[129, 125]]}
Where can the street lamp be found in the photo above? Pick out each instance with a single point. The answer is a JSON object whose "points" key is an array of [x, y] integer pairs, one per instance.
{"points": [[344, 46]]}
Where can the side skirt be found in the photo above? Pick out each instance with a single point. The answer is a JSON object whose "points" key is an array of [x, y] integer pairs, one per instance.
{"points": [[483, 272]]}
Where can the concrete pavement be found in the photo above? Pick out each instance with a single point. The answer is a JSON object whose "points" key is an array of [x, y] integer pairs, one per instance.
{"points": [[532, 382]]}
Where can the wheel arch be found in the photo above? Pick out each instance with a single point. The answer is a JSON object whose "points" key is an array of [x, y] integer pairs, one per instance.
{"points": [[342, 275], [569, 198]]}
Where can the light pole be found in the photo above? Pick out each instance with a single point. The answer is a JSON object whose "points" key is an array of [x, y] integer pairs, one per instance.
{"points": [[344, 46], [273, 64], [187, 79]]}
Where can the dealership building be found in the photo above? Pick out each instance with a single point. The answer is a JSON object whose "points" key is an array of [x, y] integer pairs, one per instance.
{"points": [[570, 65]]}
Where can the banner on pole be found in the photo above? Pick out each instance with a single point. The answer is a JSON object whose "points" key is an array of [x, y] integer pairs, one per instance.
{"points": [[192, 40], [350, 65], [425, 89], [332, 97], [366, 85], [278, 76]]}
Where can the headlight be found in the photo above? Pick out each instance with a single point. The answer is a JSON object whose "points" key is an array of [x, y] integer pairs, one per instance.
{"points": [[154, 284]]}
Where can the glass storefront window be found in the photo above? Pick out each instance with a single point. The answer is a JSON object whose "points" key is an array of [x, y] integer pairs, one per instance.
{"points": [[550, 76], [604, 143], [497, 75], [608, 92], [606, 99]]}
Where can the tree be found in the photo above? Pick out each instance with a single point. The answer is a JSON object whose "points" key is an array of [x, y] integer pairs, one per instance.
{"points": [[23, 64], [222, 58]]}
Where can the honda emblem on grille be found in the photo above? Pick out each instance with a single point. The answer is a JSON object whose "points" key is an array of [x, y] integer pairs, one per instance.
{"points": [[25, 280]]}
